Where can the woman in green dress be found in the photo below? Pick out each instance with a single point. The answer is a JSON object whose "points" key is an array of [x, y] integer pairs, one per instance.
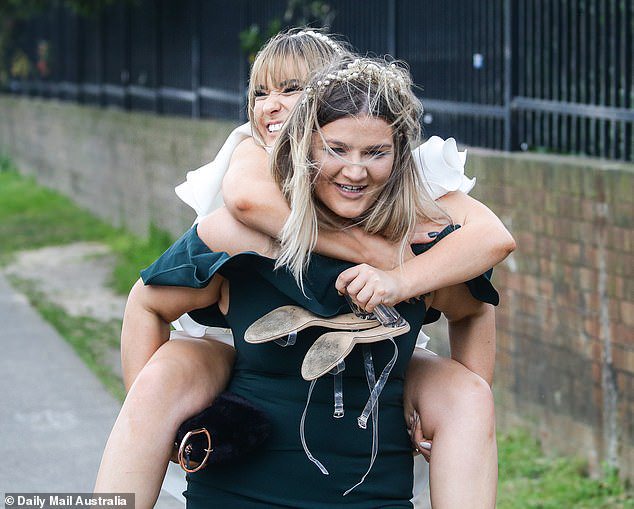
{"points": [[345, 158]]}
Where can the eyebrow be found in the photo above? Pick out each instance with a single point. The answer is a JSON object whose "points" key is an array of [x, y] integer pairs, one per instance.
{"points": [[378, 146]]}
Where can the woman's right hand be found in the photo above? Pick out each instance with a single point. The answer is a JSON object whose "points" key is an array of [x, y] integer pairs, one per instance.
{"points": [[368, 286]]}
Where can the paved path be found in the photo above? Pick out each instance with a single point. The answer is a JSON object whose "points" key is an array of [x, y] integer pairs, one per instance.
{"points": [[55, 415]]}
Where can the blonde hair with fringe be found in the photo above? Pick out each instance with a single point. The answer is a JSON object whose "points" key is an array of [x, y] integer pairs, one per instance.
{"points": [[350, 87], [291, 54]]}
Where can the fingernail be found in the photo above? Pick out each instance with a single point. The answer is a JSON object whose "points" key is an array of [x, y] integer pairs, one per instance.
{"points": [[425, 445], [432, 235]]}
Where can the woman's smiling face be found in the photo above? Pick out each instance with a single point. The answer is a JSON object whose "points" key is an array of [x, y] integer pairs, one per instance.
{"points": [[276, 91], [354, 157]]}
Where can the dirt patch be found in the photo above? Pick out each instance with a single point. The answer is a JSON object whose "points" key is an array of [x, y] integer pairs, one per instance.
{"points": [[73, 277]]}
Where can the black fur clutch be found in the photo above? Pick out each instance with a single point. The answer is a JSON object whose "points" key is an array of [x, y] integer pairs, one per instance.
{"points": [[228, 430]]}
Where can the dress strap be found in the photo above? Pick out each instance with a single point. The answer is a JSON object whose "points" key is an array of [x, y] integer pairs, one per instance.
{"points": [[375, 391], [370, 377], [302, 435], [288, 340]]}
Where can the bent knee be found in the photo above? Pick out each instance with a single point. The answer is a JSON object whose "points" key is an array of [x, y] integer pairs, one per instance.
{"points": [[456, 398], [163, 377], [470, 398]]}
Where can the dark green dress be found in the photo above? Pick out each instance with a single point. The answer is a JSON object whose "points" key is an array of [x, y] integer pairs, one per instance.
{"points": [[280, 474]]}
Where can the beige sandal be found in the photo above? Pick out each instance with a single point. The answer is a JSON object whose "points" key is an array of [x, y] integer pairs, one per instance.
{"points": [[331, 348], [286, 320]]}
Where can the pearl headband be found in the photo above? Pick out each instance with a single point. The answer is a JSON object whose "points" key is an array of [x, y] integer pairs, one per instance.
{"points": [[354, 70], [323, 38]]}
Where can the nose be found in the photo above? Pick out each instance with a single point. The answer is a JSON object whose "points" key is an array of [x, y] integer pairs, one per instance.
{"points": [[355, 169], [272, 104]]}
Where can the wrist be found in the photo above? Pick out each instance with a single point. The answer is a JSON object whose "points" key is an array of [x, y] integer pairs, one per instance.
{"points": [[403, 288]]}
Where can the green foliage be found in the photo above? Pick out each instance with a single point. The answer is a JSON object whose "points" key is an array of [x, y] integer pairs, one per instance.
{"points": [[135, 254], [32, 216], [297, 13], [530, 480], [253, 38]]}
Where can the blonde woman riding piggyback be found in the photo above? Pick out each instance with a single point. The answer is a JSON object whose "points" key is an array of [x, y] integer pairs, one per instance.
{"points": [[188, 373]]}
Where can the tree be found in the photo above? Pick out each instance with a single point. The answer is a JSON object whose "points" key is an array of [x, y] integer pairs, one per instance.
{"points": [[14, 11]]}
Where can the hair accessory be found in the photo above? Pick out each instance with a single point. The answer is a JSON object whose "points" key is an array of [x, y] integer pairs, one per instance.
{"points": [[323, 38], [358, 68]]}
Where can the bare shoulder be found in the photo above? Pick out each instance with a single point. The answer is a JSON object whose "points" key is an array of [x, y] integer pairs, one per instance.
{"points": [[461, 206], [220, 231], [248, 152]]}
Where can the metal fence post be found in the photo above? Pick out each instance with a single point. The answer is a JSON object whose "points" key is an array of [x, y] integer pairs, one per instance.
{"points": [[158, 56], [196, 13], [391, 27], [509, 131]]}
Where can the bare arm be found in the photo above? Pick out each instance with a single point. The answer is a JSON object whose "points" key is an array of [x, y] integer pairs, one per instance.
{"points": [[471, 329], [481, 243], [150, 309], [148, 313], [253, 197]]}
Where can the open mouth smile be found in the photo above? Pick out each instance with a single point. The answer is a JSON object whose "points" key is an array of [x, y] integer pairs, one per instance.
{"points": [[274, 128], [350, 189]]}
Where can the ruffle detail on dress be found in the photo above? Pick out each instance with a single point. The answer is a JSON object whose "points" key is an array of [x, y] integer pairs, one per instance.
{"points": [[190, 263], [202, 187], [442, 167]]}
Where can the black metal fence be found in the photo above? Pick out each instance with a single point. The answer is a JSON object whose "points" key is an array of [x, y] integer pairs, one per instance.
{"points": [[545, 75]]}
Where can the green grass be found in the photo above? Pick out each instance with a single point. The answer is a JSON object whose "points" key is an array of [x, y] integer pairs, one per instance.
{"points": [[528, 480], [32, 216]]}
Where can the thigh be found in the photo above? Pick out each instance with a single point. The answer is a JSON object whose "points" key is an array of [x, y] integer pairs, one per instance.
{"points": [[194, 370]]}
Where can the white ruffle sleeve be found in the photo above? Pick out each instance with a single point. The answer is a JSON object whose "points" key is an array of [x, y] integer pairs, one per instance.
{"points": [[442, 167], [202, 189]]}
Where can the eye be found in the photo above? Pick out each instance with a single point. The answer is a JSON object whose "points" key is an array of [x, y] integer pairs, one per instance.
{"points": [[260, 94], [292, 89], [378, 153], [337, 150]]}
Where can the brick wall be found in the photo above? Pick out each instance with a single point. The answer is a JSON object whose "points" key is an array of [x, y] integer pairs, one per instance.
{"points": [[565, 358], [566, 322]]}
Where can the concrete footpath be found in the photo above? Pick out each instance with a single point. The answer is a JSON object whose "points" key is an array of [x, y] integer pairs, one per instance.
{"points": [[55, 415]]}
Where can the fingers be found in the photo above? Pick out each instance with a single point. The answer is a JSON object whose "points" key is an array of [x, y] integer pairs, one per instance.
{"points": [[421, 444], [346, 277], [359, 282], [423, 237]]}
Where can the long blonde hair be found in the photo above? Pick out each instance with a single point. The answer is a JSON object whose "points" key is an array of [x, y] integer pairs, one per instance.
{"points": [[350, 87], [291, 54]]}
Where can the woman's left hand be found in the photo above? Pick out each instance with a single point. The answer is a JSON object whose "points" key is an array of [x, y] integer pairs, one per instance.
{"points": [[368, 286]]}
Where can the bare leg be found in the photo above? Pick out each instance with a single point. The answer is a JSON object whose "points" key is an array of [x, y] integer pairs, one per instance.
{"points": [[456, 410], [181, 379]]}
